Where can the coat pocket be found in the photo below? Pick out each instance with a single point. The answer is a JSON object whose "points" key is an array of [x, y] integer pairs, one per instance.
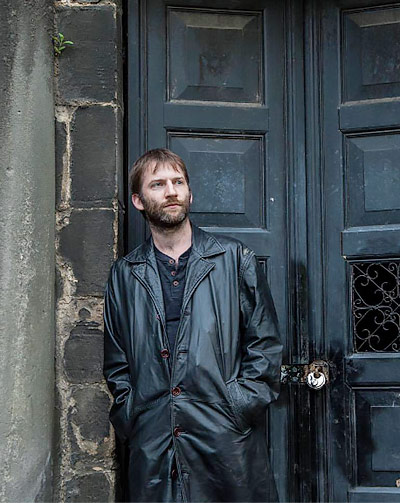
{"points": [[121, 416], [237, 403]]}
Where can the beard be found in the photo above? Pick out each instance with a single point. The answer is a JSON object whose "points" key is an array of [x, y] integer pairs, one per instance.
{"points": [[160, 216]]}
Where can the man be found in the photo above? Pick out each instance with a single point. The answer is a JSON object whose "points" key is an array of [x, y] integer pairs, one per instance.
{"points": [[192, 352]]}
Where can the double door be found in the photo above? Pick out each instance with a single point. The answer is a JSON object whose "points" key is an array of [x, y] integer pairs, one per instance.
{"points": [[288, 117]]}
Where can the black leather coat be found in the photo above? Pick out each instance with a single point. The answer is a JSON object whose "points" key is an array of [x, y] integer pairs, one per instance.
{"points": [[214, 388]]}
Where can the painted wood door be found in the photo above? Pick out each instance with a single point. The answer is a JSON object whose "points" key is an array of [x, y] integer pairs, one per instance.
{"points": [[212, 89], [287, 115], [360, 302]]}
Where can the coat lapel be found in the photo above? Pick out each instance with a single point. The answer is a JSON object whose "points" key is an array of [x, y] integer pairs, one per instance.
{"points": [[204, 246], [145, 270], [197, 270]]}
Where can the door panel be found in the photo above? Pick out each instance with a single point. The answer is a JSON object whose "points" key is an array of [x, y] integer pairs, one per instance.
{"points": [[214, 56], [361, 173]]}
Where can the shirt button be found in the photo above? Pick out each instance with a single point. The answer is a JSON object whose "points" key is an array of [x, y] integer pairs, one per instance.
{"points": [[173, 273], [165, 353], [175, 283], [177, 431], [171, 261], [176, 391]]}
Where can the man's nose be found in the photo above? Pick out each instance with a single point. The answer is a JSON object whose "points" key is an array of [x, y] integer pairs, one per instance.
{"points": [[170, 189]]}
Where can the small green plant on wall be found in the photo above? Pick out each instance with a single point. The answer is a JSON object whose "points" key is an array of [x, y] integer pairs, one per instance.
{"points": [[60, 43]]}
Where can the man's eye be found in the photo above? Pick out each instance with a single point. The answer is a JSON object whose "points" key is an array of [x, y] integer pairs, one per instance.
{"points": [[179, 182], [156, 184]]}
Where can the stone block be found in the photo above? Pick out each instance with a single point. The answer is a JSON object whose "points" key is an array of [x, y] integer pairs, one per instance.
{"points": [[89, 429], [60, 145], [87, 243], [90, 414], [87, 69], [93, 158], [92, 487], [83, 355]]}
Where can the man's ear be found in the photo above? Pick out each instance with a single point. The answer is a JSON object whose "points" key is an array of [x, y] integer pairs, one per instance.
{"points": [[137, 202]]}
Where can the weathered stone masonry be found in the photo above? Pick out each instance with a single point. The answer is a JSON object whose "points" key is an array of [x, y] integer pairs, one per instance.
{"points": [[89, 212]]}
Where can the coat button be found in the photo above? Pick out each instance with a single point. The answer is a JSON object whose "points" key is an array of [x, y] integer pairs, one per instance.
{"points": [[177, 431], [165, 353], [171, 261], [174, 473], [176, 391], [175, 283]]}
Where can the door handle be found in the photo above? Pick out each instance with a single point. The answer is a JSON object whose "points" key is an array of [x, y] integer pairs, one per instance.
{"points": [[315, 374]]}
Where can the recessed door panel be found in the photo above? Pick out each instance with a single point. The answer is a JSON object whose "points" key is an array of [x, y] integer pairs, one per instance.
{"points": [[371, 52], [377, 417], [214, 56], [226, 176]]}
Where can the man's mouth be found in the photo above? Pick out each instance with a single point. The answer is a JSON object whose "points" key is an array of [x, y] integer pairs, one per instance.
{"points": [[172, 205]]}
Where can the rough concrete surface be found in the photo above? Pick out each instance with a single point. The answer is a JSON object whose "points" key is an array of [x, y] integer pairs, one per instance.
{"points": [[26, 250]]}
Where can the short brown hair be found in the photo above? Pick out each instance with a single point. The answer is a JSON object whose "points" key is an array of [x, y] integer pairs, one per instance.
{"points": [[158, 156]]}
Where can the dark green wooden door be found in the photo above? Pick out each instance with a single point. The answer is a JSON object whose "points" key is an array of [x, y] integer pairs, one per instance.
{"points": [[212, 88], [286, 114], [360, 169]]}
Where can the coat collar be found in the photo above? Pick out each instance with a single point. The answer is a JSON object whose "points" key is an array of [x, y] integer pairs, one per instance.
{"points": [[144, 268], [203, 243]]}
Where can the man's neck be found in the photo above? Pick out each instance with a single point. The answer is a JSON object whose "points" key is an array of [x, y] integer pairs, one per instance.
{"points": [[173, 242]]}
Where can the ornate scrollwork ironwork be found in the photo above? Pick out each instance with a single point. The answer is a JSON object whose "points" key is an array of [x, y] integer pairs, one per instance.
{"points": [[376, 306]]}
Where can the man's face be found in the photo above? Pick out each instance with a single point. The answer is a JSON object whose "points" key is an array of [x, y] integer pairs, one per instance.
{"points": [[165, 196]]}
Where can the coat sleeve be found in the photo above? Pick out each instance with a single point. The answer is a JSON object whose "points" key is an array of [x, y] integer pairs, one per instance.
{"points": [[116, 369], [258, 381]]}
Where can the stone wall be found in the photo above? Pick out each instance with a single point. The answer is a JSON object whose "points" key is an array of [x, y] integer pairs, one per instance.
{"points": [[89, 213]]}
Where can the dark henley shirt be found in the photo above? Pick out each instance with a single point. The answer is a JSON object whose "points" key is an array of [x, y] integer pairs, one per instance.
{"points": [[173, 279]]}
